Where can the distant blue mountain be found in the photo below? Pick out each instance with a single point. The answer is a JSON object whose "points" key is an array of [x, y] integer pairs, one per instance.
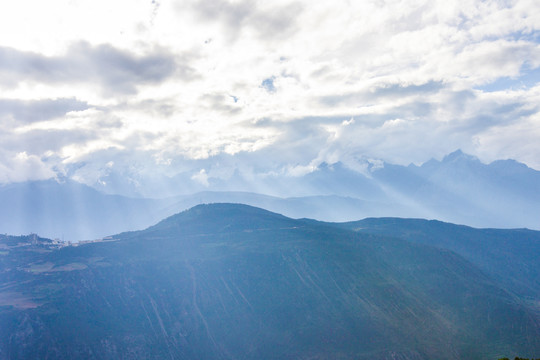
{"points": [[461, 189], [71, 210], [458, 189]]}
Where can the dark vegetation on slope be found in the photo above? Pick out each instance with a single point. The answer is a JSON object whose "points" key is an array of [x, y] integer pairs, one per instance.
{"points": [[510, 256], [230, 281]]}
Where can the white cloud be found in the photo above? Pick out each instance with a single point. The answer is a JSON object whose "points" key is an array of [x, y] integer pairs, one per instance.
{"points": [[181, 82], [201, 177], [22, 167]]}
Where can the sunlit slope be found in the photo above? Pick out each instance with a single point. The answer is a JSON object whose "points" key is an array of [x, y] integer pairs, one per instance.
{"points": [[236, 282]]}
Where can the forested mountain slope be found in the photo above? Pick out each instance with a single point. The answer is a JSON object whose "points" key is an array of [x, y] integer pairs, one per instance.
{"points": [[229, 281]]}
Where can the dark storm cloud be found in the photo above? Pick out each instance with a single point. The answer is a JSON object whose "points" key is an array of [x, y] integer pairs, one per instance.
{"points": [[28, 111], [115, 70]]}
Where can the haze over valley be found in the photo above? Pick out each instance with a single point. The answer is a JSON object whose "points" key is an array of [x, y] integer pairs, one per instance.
{"points": [[458, 189]]}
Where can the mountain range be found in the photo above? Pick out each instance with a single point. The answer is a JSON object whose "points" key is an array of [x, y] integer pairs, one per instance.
{"points": [[458, 189], [230, 281]]}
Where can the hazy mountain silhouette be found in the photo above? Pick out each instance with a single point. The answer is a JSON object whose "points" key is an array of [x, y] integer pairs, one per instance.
{"points": [[461, 189], [71, 210], [458, 189], [231, 281], [74, 212]]}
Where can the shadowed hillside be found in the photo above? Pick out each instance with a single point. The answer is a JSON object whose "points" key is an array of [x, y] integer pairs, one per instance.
{"points": [[230, 281]]}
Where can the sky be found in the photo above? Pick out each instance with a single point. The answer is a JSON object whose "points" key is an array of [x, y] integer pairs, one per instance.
{"points": [[92, 90]]}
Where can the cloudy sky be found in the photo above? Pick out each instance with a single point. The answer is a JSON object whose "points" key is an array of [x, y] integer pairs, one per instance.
{"points": [[149, 88]]}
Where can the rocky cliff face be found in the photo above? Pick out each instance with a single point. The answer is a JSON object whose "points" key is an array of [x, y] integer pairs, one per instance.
{"points": [[235, 282]]}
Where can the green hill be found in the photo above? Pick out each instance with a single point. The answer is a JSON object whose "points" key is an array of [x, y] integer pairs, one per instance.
{"points": [[511, 257], [230, 281]]}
